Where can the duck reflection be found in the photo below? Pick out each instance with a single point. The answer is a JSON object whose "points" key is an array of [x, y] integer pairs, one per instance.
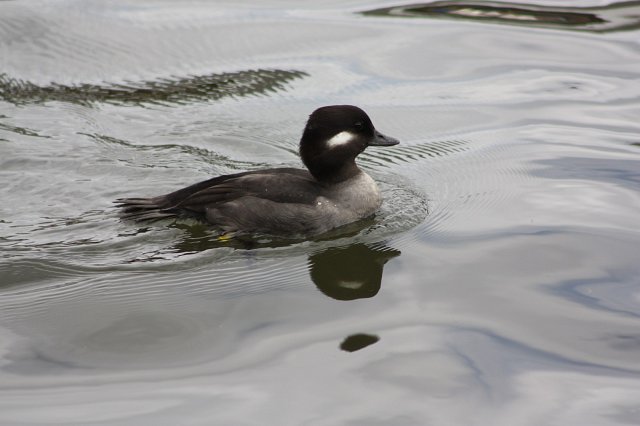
{"points": [[347, 272], [350, 272], [355, 342]]}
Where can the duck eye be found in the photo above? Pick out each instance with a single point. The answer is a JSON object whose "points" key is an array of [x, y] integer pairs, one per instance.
{"points": [[359, 125]]}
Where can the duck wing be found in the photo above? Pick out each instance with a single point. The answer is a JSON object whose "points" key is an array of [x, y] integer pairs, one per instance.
{"points": [[283, 185], [278, 185]]}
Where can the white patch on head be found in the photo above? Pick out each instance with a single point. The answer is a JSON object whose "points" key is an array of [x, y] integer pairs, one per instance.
{"points": [[340, 139], [351, 285]]}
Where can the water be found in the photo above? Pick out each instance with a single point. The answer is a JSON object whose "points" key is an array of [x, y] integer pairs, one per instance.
{"points": [[498, 285]]}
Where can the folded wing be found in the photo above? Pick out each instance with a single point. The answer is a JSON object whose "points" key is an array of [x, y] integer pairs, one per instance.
{"points": [[285, 185]]}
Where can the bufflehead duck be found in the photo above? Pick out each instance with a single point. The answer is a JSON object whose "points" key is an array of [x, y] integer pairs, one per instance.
{"points": [[286, 201]]}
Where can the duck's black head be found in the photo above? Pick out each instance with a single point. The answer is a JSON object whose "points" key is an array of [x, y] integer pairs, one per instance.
{"points": [[333, 138]]}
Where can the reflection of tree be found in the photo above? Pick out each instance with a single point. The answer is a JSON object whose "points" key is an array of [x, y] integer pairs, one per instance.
{"points": [[613, 17], [165, 91], [350, 272]]}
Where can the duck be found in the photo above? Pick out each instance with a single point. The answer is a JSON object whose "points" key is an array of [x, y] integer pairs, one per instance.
{"points": [[332, 192]]}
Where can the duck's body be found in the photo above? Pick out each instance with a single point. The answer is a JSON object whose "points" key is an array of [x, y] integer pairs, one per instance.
{"points": [[286, 201]]}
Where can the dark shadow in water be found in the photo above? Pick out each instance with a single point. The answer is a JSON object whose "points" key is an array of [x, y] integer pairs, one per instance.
{"points": [[20, 130], [200, 236], [346, 272], [165, 91], [350, 272], [614, 17], [355, 342]]}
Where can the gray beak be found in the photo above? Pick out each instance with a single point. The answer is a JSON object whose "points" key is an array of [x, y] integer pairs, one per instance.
{"points": [[381, 140]]}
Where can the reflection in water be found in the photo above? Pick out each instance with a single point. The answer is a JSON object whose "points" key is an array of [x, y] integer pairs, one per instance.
{"points": [[20, 130], [350, 272], [200, 236], [343, 273], [165, 91], [613, 17], [516, 298], [355, 342]]}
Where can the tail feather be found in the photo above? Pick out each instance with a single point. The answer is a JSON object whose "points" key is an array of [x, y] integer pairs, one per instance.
{"points": [[144, 209], [137, 201]]}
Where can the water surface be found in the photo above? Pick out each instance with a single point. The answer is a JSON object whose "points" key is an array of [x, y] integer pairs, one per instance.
{"points": [[497, 285]]}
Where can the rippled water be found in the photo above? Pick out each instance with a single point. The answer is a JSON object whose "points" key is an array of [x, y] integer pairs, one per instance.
{"points": [[499, 284]]}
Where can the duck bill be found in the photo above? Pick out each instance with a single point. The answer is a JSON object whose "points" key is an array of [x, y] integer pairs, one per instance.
{"points": [[381, 140]]}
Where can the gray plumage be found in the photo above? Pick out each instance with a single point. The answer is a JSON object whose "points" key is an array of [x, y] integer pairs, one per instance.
{"points": [[285, 201]]}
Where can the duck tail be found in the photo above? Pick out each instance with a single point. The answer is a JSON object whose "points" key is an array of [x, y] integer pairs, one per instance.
{"points": [[144, 209]]}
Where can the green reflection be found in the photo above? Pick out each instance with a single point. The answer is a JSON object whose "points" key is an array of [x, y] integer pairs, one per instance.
{"points": [[19, 130], [614, 17], [200, 236], [355, 342], [165, 91], [350, 272]]}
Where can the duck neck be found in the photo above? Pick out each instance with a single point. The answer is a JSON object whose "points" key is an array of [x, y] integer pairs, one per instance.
{"points": [[332, 175]]}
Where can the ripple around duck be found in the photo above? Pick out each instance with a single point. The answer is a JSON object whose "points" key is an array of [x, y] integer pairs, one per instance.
{"points": [[237, 274], [478, 175], [166, 91], [403, 208], [414, 153], [144, 260], [430, 206], [169, 155]]}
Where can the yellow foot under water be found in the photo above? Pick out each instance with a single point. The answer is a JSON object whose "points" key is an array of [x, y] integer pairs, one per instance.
{"points": [[224, 237]]}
